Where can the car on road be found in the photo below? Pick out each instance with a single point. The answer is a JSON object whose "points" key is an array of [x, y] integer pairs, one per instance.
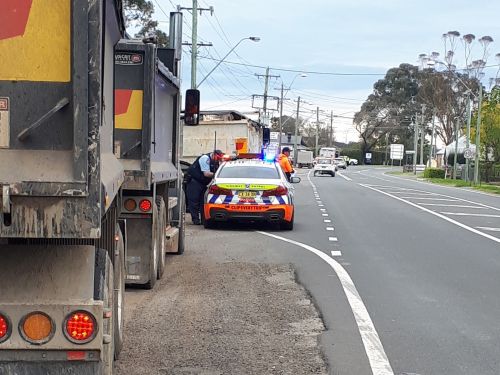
{"points": [[353, 161], [325, 166], [341, 163], [250, 190]]}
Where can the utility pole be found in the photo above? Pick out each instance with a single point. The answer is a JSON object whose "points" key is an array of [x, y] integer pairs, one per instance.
{"points": [[266, 87], [194, 37], [281, 118], [415, 141], [467, 140], [423, 136], [432, 137], [295, 150], [456, 150], [330, 138], [477, 178], [317, 133]]}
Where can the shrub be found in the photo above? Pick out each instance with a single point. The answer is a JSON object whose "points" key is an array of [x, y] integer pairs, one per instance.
{"points": [[434, 173]]}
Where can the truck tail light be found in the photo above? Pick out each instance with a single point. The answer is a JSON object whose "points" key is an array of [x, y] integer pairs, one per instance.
{"points": [[145, 205], [5, 328], [80, 327], [130, 204], [280, 190], [37, 328]]}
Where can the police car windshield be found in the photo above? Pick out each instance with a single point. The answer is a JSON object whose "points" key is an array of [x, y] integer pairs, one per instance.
{"points": [[249, 171]]}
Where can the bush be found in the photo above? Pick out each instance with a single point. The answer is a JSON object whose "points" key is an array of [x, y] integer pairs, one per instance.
{"points": [[434, 173]]}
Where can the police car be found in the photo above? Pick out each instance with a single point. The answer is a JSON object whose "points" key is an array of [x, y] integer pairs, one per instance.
{"points": [[250, 190]]}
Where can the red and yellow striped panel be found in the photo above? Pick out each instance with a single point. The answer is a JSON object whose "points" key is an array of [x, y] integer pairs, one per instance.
{"points": [[35, 40], [128, 109]]}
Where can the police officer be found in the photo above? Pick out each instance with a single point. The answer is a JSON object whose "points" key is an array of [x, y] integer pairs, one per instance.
{"points": [[200, 173], [285, 164]]}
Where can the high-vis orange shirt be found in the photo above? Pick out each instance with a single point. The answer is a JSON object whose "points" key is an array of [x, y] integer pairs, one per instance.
{"points": [[285, 163]]}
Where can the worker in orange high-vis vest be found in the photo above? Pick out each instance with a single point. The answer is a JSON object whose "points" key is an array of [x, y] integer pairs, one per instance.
{"points": [[285, 162]]}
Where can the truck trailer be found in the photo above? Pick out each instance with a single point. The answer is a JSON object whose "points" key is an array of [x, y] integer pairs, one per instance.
{"points": [[72, 166]]}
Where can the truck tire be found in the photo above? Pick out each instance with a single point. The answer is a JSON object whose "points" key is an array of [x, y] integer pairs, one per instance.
{"points": [[153, 254], [162, 219], [119, 295]]}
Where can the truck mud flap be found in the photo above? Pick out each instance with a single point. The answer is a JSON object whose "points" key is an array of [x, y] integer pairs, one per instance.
{"points": [[49, 368]]}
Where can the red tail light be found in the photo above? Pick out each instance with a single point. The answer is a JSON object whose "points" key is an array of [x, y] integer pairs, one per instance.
{"points": [[280, 190], [145, 205], [81, 327], [4, 328], [217, 190]]}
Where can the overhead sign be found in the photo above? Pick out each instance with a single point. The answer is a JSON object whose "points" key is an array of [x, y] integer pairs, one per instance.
{"points": [[397, 151]]}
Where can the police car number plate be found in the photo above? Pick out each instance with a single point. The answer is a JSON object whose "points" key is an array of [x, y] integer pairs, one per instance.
{"points": [[247, 194]]}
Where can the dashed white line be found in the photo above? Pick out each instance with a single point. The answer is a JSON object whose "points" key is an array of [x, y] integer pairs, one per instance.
{"points": [[324, 215], [322, 209], [321, 205], [327, 221], [374, 349], [334, 239], [336, 253], [330, 228]]}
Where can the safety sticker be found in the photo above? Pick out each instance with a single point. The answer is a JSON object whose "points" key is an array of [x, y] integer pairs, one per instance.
{"points": [[247, 186], [4, 123]]}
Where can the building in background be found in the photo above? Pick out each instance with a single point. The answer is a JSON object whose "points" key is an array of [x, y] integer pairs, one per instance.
{"points": [[229, 131]]}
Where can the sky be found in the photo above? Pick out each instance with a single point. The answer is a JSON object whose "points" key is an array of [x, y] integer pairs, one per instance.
{"points": [[342, 46]]}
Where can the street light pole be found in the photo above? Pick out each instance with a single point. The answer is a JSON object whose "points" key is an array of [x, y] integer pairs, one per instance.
{"points": [[467, 141], [295, 151], [252, 38], [281, 118], [456, 149], [194, 46], [477, 178], [317, 132]]}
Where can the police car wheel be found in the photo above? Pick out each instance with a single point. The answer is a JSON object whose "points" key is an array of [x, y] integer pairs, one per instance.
{"points": [[287, 225]]}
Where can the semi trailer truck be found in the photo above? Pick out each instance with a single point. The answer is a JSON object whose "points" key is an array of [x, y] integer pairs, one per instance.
{"points": [[90, 181]]}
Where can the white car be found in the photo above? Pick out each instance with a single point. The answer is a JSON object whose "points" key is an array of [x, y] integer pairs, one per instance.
{"points": [[325, 166], [353, 161], [250, 189], [341, 163]]}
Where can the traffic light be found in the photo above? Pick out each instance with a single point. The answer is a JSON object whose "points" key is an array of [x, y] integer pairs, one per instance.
{"points": [[192, 107]]}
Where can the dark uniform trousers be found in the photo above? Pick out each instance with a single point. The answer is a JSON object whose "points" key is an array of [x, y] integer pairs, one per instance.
{"points": [[195, 193]]}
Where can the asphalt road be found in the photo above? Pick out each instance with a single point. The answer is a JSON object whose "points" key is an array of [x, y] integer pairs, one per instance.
{"points": [[425, 260], [404, 274]]}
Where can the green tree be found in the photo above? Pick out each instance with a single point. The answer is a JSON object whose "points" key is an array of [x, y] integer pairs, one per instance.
{"points": [[389, 110], [139, 14], [490, 125]]}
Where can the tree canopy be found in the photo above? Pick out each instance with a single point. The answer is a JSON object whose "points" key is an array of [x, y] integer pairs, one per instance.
{"points": [[139, 13]]}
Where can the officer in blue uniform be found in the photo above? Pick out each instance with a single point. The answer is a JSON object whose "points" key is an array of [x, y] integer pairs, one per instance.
{"points": [[200, 173]]}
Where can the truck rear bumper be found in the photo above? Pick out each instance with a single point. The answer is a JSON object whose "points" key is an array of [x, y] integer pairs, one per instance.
{"points": [[47, 368]]}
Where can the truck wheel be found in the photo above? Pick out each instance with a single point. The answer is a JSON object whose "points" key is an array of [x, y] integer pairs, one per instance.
{"points": [[333, 174], [162, 211], [287, 225], [119, 293], [153, 254]]}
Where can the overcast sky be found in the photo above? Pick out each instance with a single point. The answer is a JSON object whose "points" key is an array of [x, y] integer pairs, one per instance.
{"points": [[343, 46]]}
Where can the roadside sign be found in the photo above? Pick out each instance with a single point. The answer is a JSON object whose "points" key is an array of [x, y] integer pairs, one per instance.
{"points": [[274, 135], [410, 152], [368, 155], [397, 151], [469, 153], [4, 122]]}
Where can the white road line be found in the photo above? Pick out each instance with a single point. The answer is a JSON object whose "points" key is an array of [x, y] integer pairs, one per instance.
{"points": [[489, 228], [432, 199], [334, 239], [330, 228], [344, 177], [336, 253], [452, 205], [321, 205], [322, 209], [374, 349], [467, 214], [327, 221], [436, 214], [324, 215]]}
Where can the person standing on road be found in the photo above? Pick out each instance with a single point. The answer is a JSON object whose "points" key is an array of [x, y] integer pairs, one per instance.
{"points": [[285, 164], [200, 173]]}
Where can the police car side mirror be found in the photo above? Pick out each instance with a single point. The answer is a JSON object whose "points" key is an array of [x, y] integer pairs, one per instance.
{"points": [[295, 180]]}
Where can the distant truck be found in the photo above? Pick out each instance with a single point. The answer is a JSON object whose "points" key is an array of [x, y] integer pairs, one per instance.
{"points": [[328, 152], [305, 158]]}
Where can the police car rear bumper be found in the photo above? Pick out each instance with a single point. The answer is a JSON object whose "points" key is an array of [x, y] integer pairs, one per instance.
{"points": [[274, 213]]}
